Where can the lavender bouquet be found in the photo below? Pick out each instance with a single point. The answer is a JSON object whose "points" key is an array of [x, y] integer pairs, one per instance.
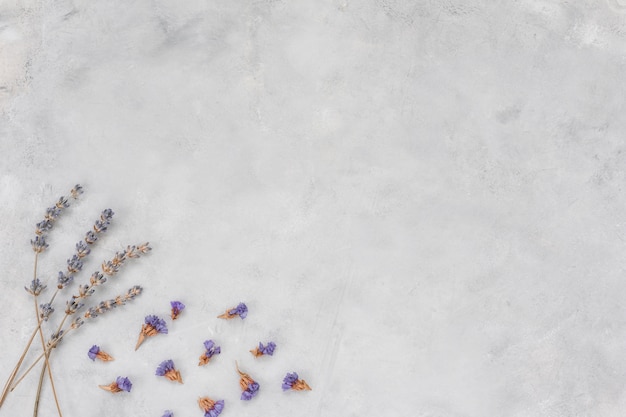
{"points": [[72, 320]]}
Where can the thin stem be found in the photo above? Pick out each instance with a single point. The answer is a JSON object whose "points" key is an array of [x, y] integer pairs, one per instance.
{"points": [[46, 366], [5, 391], [30, 368], [38, 397]]}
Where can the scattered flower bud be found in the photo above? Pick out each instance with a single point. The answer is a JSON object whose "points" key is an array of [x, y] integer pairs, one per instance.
{"points": [[211, 350], [95, 352], [120, 384], [153, 326], [264, 350], [168, 370], [291, 382], [177, 308], [211, 408], [241, 310], [168, 413], [249, 386]]}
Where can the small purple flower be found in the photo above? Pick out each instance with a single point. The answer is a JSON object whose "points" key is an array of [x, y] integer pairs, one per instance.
{"points": [[250, 392], [211, 408], [43, 227], [124, 383], [45, 310], [91, 237], [177, 308], [211, 350], [168, 413], [39, 244], [289, 380], [153, 326], [267, 350], [82, 249], [157, 323], [165, 367], [52, 213], [74, 264], [241, 310], [93, 352], [292, 382], [168, 370], [35, 288]]}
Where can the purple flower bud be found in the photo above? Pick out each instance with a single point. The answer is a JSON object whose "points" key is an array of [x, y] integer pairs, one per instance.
{"points": [[168, 413], [211, 348], [289, 380], [241, 310], [62, 203], [82, 249], [45, 310], [267, 350], [106, 215], [177, 308], [91, 237], [164, 367], [250, 392], [35, 288], [39, 244], [93, 352], [74, 264], [76, 191], [52, 213], [157, 323], [43, 227], [63, 280], [124, 383], [292, 382]]}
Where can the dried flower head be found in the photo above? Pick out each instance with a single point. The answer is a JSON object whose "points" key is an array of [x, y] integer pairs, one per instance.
{"points": [[177, 308], [168, 370], [241, 310], [210, 407], [45, 310], [249, 386], [264, 350], [120, 384], [211, 349], [76, 191], [153, 325], [168, 413], [39, 244], [95, 352], [35, 288], [291, 382]]}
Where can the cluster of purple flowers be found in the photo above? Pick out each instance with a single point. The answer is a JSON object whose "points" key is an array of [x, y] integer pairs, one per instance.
{"points": [[251, 391], [241, 310], [177, 308], [156, 323], [123, 383], [165, 367]]}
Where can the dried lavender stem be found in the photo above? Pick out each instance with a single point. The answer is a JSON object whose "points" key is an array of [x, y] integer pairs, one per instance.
{"points": [[6, 390], [46, 365], [38, 397], [30, 368]]}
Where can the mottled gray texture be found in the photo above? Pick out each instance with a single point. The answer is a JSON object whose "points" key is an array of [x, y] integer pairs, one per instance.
{"points": [[421, 202]]}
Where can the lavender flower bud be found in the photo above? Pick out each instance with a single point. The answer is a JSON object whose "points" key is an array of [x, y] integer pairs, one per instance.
{"points": [[107, 215], [43, 227], [77, 322], [82, 249], [36, 287], [91, 237], [168, 413], [100, 226], [39, 244], [63, 280], [62, 203], [73, 306], [74, 264], [45, 310], [52, 213], [76, 191]]}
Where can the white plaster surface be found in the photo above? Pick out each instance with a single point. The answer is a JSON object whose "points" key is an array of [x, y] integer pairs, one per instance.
{"points": [[421, 202]]}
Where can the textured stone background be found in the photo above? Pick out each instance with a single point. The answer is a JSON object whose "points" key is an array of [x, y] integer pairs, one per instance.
{"points": [[421, 202]]}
